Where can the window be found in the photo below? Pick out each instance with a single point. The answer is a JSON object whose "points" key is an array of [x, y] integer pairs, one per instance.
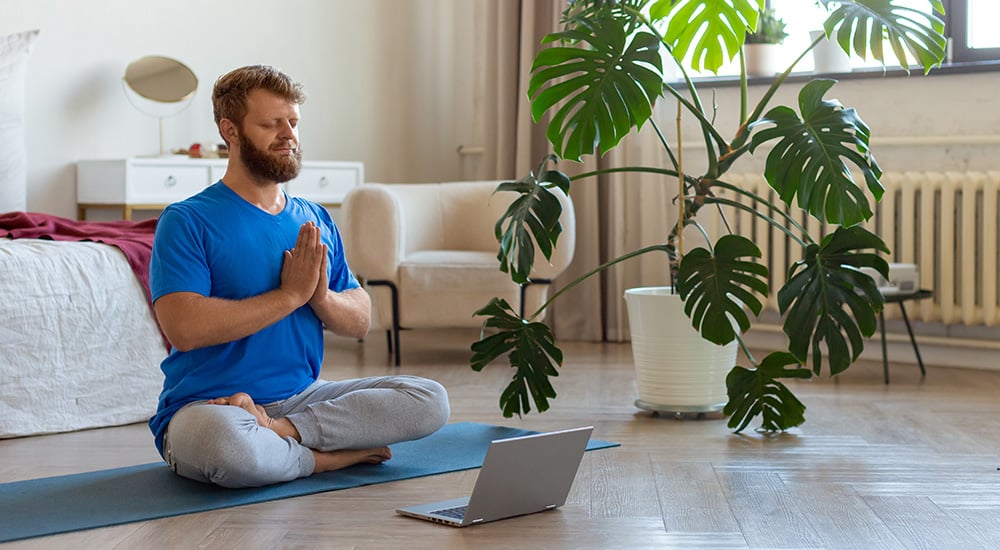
{"points": [[802, 16], [969, 26]]}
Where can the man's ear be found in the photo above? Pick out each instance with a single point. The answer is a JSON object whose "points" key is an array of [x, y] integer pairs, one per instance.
{"points": [[229, 131]]}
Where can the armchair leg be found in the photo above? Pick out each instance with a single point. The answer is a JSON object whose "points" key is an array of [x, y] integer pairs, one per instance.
{"points": [[524, 289], [392, 338]]}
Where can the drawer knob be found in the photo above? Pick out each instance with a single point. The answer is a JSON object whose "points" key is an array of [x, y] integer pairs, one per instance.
{"points": [[171, 181]]}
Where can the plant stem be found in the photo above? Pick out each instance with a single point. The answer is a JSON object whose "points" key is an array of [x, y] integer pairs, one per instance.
{"points": [[602, 267], [663, 141], [752, 211], [744, 89], [705, 123], [744, 131], [638, 169], [757, 198], [680, 185], [746, 351]]}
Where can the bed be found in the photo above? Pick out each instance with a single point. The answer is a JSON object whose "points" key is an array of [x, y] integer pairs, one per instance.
{"points": [[79, 346]]}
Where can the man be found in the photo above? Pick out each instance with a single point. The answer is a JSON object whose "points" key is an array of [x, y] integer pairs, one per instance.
{"points": [[244, 278]]}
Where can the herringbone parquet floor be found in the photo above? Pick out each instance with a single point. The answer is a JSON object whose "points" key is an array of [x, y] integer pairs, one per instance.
{"points": [[915, 464]]}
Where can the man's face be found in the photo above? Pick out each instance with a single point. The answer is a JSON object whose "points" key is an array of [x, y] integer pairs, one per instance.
{"points": [[269, 138]]}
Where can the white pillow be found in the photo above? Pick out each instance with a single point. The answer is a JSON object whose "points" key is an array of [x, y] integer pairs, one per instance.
{"points": [[14, 51]]}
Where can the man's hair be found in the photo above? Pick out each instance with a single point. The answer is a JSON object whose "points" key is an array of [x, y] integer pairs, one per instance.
{"points": [[229, 97]]}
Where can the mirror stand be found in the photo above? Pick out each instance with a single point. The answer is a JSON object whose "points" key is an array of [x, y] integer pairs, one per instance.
{"points": [[160, 87]]}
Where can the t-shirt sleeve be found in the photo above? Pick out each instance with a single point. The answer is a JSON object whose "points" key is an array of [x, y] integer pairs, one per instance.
{"points": [[179, 262], [339, 273]]}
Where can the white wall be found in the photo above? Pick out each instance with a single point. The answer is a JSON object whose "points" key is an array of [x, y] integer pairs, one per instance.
{"points": [[388, 82], [942, 122], [382, 77]]}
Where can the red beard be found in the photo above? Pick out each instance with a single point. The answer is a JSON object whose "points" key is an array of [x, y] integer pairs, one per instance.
{"points": [[267, 167]]}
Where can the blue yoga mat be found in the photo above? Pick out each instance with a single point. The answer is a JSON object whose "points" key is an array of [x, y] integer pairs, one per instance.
{"points": [[61, 504]]}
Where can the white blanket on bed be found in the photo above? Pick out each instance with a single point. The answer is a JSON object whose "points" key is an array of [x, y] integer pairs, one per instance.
{"points": [[79, 347]]}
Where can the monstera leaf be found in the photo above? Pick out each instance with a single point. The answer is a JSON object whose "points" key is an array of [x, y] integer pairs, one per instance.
{"points": [[532, 352], [821, 289], [710, 31], [867, 24], [716, 286], [811, 160], [533, 218], [601, 87], [754, 392]]}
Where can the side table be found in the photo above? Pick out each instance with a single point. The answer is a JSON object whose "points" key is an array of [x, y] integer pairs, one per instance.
{"points": [[901, 299]]}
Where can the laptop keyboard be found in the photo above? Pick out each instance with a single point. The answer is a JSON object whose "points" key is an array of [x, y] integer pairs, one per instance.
{"points": [[457, 512]]}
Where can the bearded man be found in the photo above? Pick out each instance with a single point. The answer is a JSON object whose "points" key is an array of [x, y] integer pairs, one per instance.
{"points": [[244, 278]]}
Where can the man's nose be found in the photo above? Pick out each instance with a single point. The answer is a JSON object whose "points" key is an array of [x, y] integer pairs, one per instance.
{"points": [[287, 131]]}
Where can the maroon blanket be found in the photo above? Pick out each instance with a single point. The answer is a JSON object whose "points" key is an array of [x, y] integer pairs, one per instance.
{"points": [[134, 239]]}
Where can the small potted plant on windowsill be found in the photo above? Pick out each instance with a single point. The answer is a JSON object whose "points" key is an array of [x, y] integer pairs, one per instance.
{"points": [[602, 81], [762, 47], [828, 56]]}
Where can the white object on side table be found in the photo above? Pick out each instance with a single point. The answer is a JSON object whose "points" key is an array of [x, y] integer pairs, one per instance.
{"points": [[151, 183], [903, 279]]}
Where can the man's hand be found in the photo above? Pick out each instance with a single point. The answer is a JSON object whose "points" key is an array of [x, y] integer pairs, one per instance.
{"points": [[322, 286], [301, 269]]}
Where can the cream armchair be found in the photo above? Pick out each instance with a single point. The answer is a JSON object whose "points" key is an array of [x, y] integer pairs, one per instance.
{"points": [[427, 253]]}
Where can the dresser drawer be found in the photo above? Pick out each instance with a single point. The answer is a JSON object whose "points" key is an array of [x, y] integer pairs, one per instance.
{"points": [[325, 184], [154, 184], [151, 183]]}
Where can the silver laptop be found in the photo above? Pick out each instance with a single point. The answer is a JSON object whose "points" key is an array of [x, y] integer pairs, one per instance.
{"points": [[520, 475]]}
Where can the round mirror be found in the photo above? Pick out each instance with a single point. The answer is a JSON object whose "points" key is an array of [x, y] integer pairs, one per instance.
{"points": [[159, 86], [161, 79]]}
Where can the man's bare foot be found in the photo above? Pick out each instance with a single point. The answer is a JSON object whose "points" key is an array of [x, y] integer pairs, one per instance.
{"points": [[335, 460], [281, 426], [325, 461]]}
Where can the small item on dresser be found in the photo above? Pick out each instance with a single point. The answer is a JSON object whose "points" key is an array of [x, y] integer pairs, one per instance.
{"points": [[208, 151]]}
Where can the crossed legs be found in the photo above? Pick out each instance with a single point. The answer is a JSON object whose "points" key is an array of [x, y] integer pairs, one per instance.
{"points": [[324, 461], [234, 442]]}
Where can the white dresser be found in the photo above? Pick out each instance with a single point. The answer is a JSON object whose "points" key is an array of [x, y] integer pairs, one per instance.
{"points": [[151, 183]]}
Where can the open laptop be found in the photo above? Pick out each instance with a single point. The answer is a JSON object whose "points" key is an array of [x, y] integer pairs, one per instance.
{"points": [[520, 475]]}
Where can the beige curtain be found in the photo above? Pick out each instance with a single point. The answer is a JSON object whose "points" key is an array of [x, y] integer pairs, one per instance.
{"points": [[511, 34], [615, 214]]}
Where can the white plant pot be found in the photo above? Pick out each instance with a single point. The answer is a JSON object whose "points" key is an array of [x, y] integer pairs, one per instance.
{"points": [[828, 57], [676, 369], [763, 59]]}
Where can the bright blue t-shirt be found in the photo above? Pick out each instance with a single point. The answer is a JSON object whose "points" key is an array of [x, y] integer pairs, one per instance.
{"points": [[218, 244]]}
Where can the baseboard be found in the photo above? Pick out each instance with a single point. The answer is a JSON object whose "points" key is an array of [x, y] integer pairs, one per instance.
{"points": [[936, 351]]}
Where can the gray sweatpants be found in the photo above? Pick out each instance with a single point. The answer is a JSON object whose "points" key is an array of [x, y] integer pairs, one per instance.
{"points": [[223, 444]]}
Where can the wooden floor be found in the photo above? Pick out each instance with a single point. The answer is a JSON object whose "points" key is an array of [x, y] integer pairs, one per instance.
{"points": [[910, 465]]}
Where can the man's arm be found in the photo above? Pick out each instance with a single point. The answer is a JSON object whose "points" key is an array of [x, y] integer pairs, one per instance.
{"points": [[347, 313], [190, 320]]}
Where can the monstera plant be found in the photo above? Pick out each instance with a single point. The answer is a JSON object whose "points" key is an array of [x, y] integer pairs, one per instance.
{"points": [[599, 81]]}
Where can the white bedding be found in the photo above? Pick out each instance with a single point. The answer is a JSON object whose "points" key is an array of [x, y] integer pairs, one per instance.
{"points": [[79, 347]]}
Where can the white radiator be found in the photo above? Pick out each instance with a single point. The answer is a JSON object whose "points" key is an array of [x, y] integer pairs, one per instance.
{"points": [[944, 222]]}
